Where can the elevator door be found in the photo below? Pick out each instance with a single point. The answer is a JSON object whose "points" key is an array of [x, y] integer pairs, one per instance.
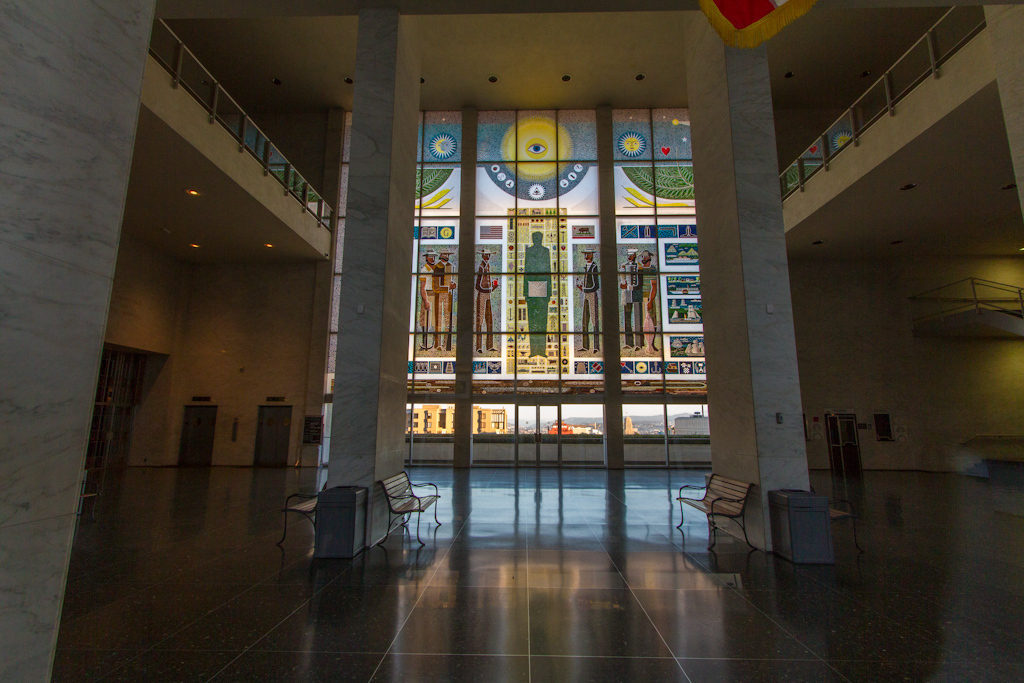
{"points": [[843, 446], [197, 436], [272, 436]]}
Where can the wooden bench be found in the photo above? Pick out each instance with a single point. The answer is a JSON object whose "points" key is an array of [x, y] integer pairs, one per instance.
{"points": [[723, 497], [402, 502], [305, 507]]}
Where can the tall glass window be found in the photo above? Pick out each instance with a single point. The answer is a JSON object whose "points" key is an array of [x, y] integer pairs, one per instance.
{"points": [[537, 281]]}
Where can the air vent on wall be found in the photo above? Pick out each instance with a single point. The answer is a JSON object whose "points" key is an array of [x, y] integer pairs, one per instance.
{"points": [[201, 399], [275, 399]]}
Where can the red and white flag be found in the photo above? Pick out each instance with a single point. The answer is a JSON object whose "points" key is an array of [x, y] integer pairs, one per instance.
{"points": [[748, 23]]}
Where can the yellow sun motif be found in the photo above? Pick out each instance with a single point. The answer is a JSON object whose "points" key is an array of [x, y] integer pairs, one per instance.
{"points": [[537, 139]]}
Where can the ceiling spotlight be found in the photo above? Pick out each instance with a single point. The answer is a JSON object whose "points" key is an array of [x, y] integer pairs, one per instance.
{"points": [[818, 242], [348, 79], [788, 74], [275, 80], [908, 186], [865, 73], [422, 80], [492, 79], [194, 245], [640, 77], [894, 242], [192, 192], [566, 77], [1009, 186], [268, 245]]}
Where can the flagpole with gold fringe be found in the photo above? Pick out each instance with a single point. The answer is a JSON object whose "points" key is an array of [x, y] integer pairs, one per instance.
{"points": [[758, 31]]}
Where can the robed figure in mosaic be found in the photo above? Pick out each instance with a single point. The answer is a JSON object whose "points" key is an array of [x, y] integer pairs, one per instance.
{"points": [[484, 284], [590, 286], [444, 288], [427, 300], [537, 292]]}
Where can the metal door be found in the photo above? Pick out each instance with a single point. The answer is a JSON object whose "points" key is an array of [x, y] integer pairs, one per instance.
{"points": [[273, 434], [843, 446], [197, 436]]}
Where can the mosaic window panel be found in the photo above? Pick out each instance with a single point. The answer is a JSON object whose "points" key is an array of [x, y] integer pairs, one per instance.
{"points": [[672, 134], [672, 187], [631, 135]]}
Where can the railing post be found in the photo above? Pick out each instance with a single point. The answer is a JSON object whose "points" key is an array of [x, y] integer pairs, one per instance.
{"points": [[179, 57], [213, 99], [266, 156], [930, 39], [824, 150], [974, 293], [287, 177], [1020, 298], [241, 131], [305, 196], [853, 126], [800, 173], [887, 82]]}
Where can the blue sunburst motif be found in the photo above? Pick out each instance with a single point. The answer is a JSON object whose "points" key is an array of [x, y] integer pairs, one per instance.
{"points": [[631, 144], [442, 146]]}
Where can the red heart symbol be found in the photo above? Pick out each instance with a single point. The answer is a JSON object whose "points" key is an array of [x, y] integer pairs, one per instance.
{"points": [[814, 149], [666, 150]]}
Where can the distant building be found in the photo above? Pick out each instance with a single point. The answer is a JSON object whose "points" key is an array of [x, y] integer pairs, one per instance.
{"points": [[440, 419], [628, 428], [489, 420], [567, 428], [691, 425]]}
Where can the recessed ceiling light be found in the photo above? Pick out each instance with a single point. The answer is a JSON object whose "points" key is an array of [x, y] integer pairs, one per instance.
{"points": [[817, 242], [275, 80], [348, 79], [566, 77], [194, 245], [1021, 249], [492, 79], [192, 192], [788, 74], [1009, 186], [896, 242], [268, 245], [422, 80], [865, 73], [640, 77], [908, 186]]}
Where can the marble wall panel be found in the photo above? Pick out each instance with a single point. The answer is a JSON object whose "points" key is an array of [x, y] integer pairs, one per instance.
{"points": [[1006, 26]]}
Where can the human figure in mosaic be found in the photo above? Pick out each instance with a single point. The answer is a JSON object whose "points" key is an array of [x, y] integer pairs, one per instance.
{"points": [[484, 286], [427, 299], [632, 297], [649, 273], [444, 288], [590, 286], [537, 292]]}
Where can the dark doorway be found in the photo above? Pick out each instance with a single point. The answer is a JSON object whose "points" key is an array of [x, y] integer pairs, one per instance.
{"points": [[197, 436], [843, 446], [272, 436]]}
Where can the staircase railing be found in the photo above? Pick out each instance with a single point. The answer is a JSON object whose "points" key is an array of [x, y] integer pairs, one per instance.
{"points": [[925, 58], [188, 73], [972, 293]]}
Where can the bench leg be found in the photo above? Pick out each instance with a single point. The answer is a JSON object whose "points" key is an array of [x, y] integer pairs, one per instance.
{"points": [[853, 521], [680, 525], [285, 528], [712, 533], [419, 516], [436, 520]]}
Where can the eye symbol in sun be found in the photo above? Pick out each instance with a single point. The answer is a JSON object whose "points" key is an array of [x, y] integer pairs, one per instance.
{"points": [[536, 149]]}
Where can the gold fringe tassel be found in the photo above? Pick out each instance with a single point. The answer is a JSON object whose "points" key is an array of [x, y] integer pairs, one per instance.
{"points": [[762, 29]]}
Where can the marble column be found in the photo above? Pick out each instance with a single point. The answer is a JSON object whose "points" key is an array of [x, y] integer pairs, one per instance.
{"points": [[464, 344], [69, 102], [368, 421], [753, 385], [613, 449], [1005, 26], [323, 278]]}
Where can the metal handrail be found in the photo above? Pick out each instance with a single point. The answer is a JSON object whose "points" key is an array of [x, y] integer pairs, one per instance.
{"points": [[225, 110], [974, 301], [851, 125]]}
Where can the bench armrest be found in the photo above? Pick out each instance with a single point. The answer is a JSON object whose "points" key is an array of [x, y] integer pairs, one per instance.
{"points": [[436, 493], [690, 486], [304, 496], [843, 501], [723, 498]]}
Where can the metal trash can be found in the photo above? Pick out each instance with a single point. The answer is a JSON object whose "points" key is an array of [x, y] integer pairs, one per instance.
{"points": [[340, 522], [801, 527]]}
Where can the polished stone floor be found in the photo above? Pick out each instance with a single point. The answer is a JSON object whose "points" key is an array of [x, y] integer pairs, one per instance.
{"points": [[542, 575]]}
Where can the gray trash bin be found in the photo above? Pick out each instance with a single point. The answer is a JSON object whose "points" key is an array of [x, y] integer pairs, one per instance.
{"points": [[801, 527], [340, 522]]}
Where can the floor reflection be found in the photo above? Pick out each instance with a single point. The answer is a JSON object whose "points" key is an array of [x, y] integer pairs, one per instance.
{"points": [[543, 574]]}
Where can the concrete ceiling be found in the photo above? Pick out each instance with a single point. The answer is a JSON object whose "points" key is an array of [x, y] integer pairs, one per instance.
{"points": [[957, 209], [228, 224]]}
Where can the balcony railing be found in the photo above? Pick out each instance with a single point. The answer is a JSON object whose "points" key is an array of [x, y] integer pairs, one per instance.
{"points": [[971, 294], [188, 73], [925, 58]]}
